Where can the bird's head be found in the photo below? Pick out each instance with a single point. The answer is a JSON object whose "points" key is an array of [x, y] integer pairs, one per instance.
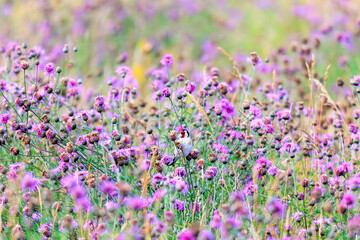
{"points": [[184, 133]]}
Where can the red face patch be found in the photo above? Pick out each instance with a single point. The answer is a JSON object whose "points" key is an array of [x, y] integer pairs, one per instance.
{"points": [[182, 134]]}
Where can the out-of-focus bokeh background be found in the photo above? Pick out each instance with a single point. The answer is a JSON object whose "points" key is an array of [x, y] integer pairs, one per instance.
{"points": [[106, 30]]}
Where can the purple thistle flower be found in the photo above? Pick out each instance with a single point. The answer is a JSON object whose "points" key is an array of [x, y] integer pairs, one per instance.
{"points": [[302, 233], [289, 148], [77, 192], [256, 124], [307, 111], [16, 68], [224, 158], [111, 205], [353, 226], [99, 101], [256, 111], [4, 118], [287, 227], [49, 69], [169, 216], [273, 170], [211, 172], [181, 186], [108, 188], [45, 229], [355, 81], [186, 235], [36, 217], [297, 216], [145, 164], [3, 85], [322, 221], [346, 40], [136, 203], [190, 87], [343, 168], [160, 227], [220, 148], [276, 208], [159, 77], [123, 71], [348, 200], [224, 107], [250, 188], [167, 160], [28, 182], [236, 135], [179, 205], [157, 178], [206, 235], [157, 96], [14, 210], [283, 115], [166, 92], [352, 128], [167, 60], [216, 221], [343, 61], [81, 141], [73, 225], [197, 207], [353, 183], [263, 162], [180, 171], [74, 187]]}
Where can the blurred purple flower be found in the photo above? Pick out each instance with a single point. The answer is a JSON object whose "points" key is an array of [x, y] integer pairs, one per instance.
{"points": [[167, 60], [49, 69], [348, 200], [123, 71], [28, 182], [190, 87], [209, 52], [108, 188], [179, 205], [136, 203], [353, 226], [186, 235], [276, 208]]}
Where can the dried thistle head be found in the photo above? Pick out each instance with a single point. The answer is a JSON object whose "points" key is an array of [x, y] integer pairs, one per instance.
{"points": [[25, 139], [45, 118], [328, 207], [14, 151], [223, 88], [69, 147], [67, 222], [90, 180], [17, 232], [212, 157], [158, 167], [172, 135], [124, 188], [64, 81]]}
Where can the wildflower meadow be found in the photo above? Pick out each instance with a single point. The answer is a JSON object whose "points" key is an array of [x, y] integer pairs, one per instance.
{"points": [[179, 119]]}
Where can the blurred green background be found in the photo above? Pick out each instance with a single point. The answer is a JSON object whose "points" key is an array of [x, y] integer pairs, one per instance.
{"points": [[189, 30]]}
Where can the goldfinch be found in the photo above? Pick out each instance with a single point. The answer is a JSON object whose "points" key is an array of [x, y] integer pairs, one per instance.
{"points": [[183, 145]]}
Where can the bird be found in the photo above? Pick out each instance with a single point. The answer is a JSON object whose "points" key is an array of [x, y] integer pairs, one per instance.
{"points": [[183, 145]]}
